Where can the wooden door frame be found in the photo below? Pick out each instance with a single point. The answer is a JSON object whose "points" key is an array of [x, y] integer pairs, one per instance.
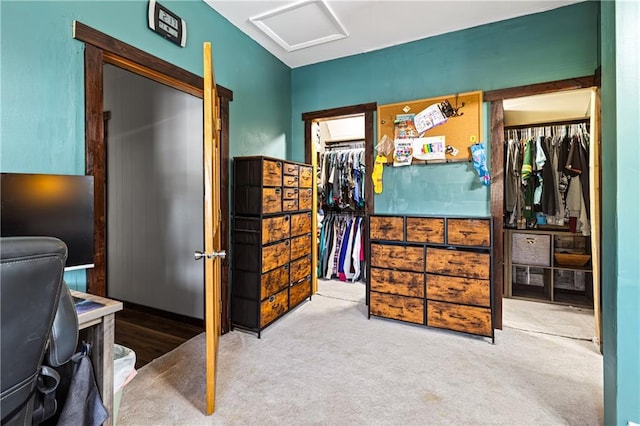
{"points": [[327, 114], [496, 97], [102, 49]]}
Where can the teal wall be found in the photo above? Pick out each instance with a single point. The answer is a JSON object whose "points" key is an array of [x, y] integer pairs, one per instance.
{"points": [[42, 80], [620, 44], [543, 47]]}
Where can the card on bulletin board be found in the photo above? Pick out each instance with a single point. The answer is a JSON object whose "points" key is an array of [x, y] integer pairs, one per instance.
{"points": [[429, 148]]}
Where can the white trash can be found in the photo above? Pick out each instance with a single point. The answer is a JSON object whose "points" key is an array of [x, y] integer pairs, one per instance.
{"points": [[124, 368]]}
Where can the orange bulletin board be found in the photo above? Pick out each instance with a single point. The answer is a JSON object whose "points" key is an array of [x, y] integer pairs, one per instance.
{"points": [[460, 132]]}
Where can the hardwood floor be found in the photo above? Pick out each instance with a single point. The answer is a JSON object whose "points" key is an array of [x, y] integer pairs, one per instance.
{"points": [[151, 335]]}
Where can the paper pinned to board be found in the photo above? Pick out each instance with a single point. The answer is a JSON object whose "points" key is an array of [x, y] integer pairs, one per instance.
{"points": [[429, 118], [429, 148]]}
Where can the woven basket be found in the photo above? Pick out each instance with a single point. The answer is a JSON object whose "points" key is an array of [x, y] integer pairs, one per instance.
{"points": [[571, 259]]}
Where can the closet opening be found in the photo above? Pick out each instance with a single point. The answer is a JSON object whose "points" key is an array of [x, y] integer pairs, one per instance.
{"points": [[339, 144], [551, 217]]}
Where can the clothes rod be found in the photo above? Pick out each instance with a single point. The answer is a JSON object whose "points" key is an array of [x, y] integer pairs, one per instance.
{"points": [[549, 124]]}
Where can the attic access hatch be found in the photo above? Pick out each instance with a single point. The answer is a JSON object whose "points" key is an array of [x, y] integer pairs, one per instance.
{"points": [[548, 108], [301, 25]]}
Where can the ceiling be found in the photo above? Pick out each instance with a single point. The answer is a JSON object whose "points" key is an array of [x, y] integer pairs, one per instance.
{"points": [[550, 107], [310, 31]]}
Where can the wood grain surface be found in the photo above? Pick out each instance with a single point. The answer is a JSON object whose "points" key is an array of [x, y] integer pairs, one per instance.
{"points": [[425, 230], [271, 200], [397, 282], [410, 309], [274, 307], [469, 319], [298, 292], [290, 194], [386, 228], [300, 269], [305, 200], [274, 281], [290, 205], [458, 263], [300, 224], [470, 291], [290, 169], [275, 229], [300, 246], [275, 255], [306, 177], [404, 258], [469, 232], [272, 173]]}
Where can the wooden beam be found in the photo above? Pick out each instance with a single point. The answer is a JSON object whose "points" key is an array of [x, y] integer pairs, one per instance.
{"points": [[339, 112], [95, 165], [497, 208], [540, 88]]}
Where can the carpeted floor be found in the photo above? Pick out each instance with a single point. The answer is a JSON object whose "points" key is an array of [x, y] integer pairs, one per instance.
{"points": [[325, 363]]}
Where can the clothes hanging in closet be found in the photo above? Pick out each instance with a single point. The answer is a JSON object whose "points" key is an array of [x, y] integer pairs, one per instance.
{"points": [[341, 183], [547, 177], [341, 248]]}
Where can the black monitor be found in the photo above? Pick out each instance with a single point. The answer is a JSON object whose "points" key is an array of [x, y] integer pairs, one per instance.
{"points": [[58, 206]]}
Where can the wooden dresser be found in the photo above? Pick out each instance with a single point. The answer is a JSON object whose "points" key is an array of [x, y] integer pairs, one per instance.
{"points": [[271, 258], [434, 271]]}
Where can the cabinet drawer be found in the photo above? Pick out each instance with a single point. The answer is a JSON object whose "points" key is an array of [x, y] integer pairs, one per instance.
{"points": [[300, 224], [271, 173], [290, 181], [397, 257], [274, 281], [410, 309], [290, 205], [290, 194], [470, 291], [306, 177], [300, 269], [290, 169], [275, 255], [397, 282], [275, 306], [531, 249], [299, 291], [386, 228], [271, 200], [468, 319], [458, 263], [300, 246], [306, 199], [469, 232], [275, 229], [425, 230]]}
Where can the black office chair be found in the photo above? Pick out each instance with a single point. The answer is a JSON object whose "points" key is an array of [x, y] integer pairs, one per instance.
{"points": [[37, 317]]}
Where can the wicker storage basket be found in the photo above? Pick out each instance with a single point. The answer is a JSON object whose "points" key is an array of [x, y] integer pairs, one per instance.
{"points": [[572, 259]]}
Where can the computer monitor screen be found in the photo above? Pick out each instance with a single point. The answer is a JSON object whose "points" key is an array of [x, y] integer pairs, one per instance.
{"points": [[58, 206]]}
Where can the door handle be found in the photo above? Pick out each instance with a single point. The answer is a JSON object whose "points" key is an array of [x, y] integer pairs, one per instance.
{"points": [[200, 254]]}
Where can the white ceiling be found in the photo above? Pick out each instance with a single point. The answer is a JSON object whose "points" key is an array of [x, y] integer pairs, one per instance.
{"points": [[310, 31], [550, 107]]}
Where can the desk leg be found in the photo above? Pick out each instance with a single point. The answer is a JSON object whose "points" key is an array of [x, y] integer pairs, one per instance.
{"points": [[102, 340]]}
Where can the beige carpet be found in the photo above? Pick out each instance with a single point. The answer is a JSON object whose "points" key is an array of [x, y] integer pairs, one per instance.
{"points": [[326, 364]]}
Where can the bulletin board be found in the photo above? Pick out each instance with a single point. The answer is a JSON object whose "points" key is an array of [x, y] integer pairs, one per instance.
{"points": [[459, 132]]}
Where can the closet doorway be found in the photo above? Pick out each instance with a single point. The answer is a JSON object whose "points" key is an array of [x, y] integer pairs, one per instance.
{"points": [[551, 210], [339, 144]]}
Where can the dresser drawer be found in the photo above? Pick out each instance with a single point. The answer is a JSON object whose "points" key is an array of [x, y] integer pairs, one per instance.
{"points": [[274, 281], [306, 177], [290, 194], [410, 309], [271, 173], [531, 249], [299, 291], [290, 169], [271, 200], [275, 255], [425, 230], [300, 269], [290, 205], [397, 257], [470, 291], [305, 202], [397, 282], [300, 246], [468, 319], [300, 224], [386, 228], [458, 263], [274, 307], [290, 181], [469, 232], [275, 229]]}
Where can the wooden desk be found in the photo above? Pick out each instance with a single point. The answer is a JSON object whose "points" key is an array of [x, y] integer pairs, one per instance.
{"points": [[99, 324]]}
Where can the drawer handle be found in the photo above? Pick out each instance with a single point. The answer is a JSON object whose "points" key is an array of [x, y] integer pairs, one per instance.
{"points": [[530, 240], [277, 190], [286, 218], [271, 299], [286, 267], [279, 164]]}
